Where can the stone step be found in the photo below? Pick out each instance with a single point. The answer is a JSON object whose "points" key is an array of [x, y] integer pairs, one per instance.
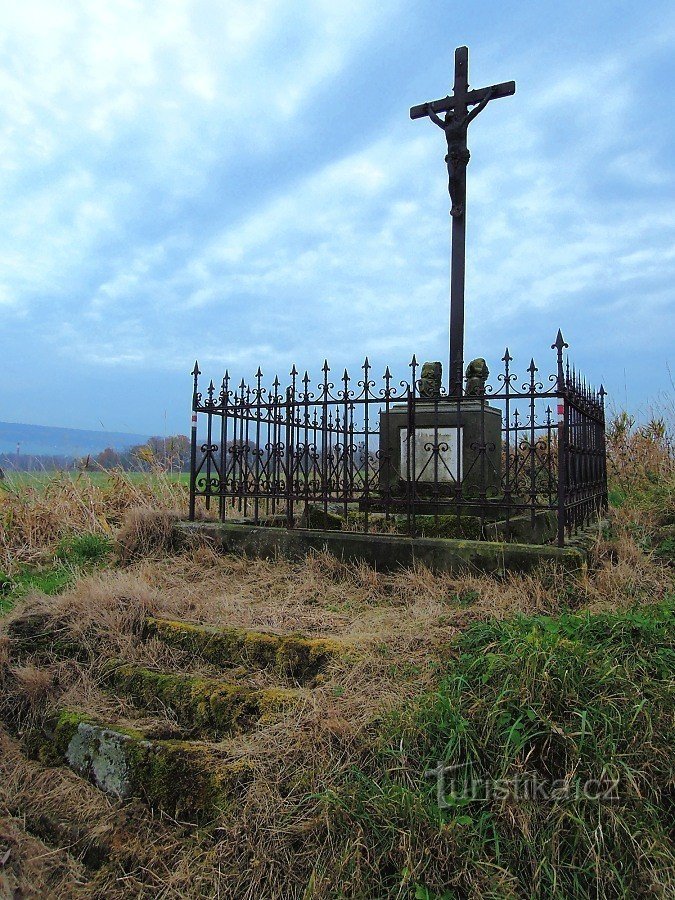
{"points": [[204, 705], [188, 780], [294, 655], [39, 633]]}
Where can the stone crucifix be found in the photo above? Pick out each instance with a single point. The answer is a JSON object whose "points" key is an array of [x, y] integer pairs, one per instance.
{"points": [[455, 124]]}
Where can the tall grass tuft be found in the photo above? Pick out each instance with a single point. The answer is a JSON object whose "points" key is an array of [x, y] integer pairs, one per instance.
{"points": [[37, 517], [641, 468]]}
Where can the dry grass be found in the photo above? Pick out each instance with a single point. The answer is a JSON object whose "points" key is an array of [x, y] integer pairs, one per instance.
{"points": [[35, 517], [280, 843], [400, 627]]}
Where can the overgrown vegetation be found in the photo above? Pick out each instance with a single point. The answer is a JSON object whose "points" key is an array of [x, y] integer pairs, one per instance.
{"points": [[39, 518], [534, 683], [551, 743], [642, 473], [73, 556]]}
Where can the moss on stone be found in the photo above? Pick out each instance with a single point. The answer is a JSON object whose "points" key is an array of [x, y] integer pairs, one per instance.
{"points": [[208, 705], [181, 778], [184, 779], [296, 656], [49, 744], [448, 526], [315, 516], [387, 552]]}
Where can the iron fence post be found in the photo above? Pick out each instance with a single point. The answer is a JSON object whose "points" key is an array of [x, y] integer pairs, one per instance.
{"points": [[289, 456], [559, 345], [602, 393], [193, 442]]}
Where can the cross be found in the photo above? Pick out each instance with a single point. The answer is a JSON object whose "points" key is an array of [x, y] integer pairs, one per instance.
{"points": [[455, 125]]}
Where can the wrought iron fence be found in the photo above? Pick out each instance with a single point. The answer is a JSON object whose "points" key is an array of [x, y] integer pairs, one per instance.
{"points": [[521, 458]]}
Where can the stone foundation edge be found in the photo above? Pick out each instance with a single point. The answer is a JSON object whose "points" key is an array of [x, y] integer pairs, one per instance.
{"points": [[386, 553]]}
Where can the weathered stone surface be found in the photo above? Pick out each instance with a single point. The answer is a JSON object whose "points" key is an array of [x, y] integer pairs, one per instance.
{"points": [[383, 551], [444, 467], [183, 779], [100, 755], [470, 424], [315, 516], [431, 380], [294, 655], [208, 705], [477, 374]]}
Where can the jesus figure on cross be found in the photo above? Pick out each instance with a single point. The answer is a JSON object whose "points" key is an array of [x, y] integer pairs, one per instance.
{"points": [[455, 126], [460, 110]]}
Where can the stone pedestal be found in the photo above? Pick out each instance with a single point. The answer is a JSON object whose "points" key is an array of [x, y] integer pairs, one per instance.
{"points": [[454, 446]]}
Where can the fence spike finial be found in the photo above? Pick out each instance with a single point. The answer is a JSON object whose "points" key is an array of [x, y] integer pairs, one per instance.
{"points": [[507, 358], [560, 342], [196, 371]]}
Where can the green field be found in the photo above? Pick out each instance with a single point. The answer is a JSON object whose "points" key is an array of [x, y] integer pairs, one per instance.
{"points": [[17, 480]]}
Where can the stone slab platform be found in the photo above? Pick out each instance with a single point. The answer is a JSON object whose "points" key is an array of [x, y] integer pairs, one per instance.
{"points": [[386, 553]]}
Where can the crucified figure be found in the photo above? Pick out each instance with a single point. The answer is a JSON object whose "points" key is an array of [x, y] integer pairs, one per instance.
{"points": [[455, 126]]}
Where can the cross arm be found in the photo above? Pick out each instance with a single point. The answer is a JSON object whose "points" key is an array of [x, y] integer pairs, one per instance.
{"points": [[505, 89]]}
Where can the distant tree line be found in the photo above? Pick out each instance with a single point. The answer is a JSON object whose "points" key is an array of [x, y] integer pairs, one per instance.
{"points": [[166, 454]]}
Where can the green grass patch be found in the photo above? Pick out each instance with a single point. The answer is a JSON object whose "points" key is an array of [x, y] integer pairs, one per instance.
{"points": [[559, 735], [40, 479], [85, 549], [74, 555], [50, 580]]}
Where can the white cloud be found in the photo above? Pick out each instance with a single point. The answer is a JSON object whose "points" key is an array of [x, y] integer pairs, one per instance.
{"points": [[105, 103], [125, 124]]}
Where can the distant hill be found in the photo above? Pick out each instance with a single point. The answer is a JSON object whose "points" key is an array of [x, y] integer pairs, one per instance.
{"points": [[44, 440]]}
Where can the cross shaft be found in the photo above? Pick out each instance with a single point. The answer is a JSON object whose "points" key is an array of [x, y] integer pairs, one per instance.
{"points": [[455, 125]]}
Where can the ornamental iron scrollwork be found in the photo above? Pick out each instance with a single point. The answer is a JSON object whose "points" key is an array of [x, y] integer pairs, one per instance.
{"points": [[272, 450]]}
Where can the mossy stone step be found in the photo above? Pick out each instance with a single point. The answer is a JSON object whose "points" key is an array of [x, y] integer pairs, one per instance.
{"points": [[208, 705], [185, 779], [39, 633], [293, 655]]}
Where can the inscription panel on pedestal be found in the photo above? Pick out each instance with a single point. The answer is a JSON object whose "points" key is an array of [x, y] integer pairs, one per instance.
{"points": [[435, 450]]}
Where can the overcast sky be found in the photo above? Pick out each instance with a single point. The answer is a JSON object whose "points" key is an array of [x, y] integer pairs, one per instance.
{"points": [[240, 182]]}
